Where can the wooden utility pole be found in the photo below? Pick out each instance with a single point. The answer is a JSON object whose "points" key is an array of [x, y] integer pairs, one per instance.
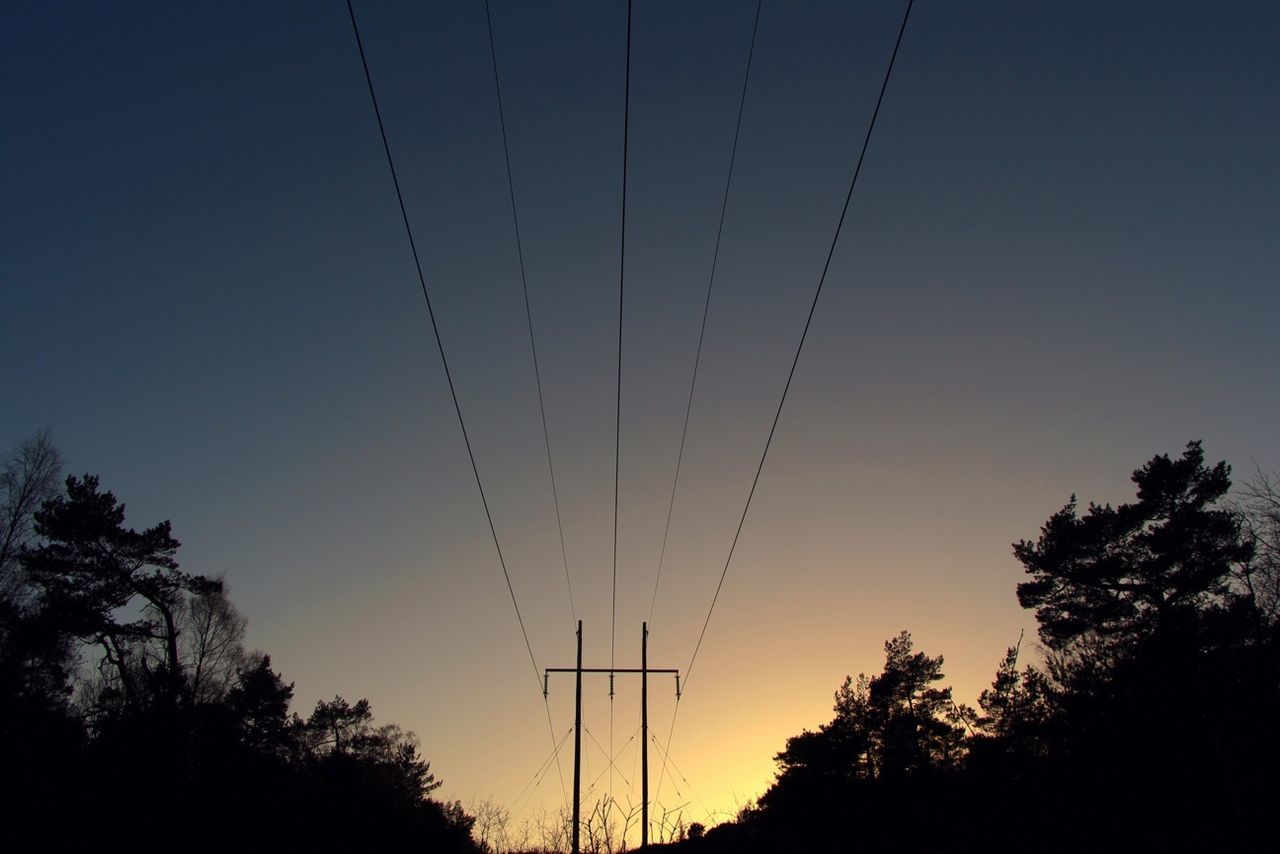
{"points": [[577, 745], [644, 735], [643, 670]]}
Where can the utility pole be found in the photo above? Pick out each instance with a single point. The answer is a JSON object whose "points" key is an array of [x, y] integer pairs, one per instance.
{"points": [[644, 735], [577, 744], [643, 670]]}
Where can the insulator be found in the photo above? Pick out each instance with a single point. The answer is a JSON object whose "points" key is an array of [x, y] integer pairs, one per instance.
{"points": [[677, 686], [544, 684], [610, 686]]}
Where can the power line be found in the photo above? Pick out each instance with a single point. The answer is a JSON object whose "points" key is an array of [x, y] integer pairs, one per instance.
{"points": [[448, 375], [617, 422], [706, 306], [457, 408], [528, 311], [417, 263], [622, 280], [884, 84], [835, 238]]}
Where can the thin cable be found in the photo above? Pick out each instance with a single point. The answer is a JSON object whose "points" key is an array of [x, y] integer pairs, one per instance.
{"points": [[804, 334], [635, 755], [596, 780], [680, 773], [835, 238], [516, 810], [622, 280], [662, 775], [617, 422], [417, 263], [674, 784], [706, 307], [564, 793], [609, 755], [528, 311], [543, 769]]}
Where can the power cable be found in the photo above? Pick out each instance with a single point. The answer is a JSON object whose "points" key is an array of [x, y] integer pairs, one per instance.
{"points": [[803, 335], [444, 361], [706, 306], [528, 311], [617, 423], [417, 263], [884, 84]]}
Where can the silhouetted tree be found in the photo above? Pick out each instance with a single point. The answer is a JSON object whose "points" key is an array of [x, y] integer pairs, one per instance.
{"points": [[914, 720], [338, 732], [1124, 573], [28, 479], [1018, 700], [1161, 693], [1258, 508], [40, 739], [1150, 724], [90, 567], [893, 740], [338, 727], [369, 785], [183, 735], [894, 724], [35, 657], [210, 635], [259, 704]]}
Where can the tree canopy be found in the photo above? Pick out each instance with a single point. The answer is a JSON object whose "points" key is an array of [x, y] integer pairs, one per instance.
{"points": [[1129, 571]]}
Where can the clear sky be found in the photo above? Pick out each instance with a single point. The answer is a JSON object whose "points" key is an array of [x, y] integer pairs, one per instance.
{"points": [[1060, 260]]}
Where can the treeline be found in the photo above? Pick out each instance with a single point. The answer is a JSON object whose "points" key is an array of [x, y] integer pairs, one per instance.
{"points": [[131, 713], [1148, 724]]}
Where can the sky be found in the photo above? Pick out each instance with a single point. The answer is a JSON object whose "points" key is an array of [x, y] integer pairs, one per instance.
{"points": [[1059, 261]]}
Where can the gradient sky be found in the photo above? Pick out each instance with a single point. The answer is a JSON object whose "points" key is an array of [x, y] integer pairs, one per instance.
{"points": [[1060, 260]]}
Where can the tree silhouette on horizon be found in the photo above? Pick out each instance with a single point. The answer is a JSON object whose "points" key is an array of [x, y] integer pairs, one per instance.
{"points": [[129, 706], [1149, 725]]}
